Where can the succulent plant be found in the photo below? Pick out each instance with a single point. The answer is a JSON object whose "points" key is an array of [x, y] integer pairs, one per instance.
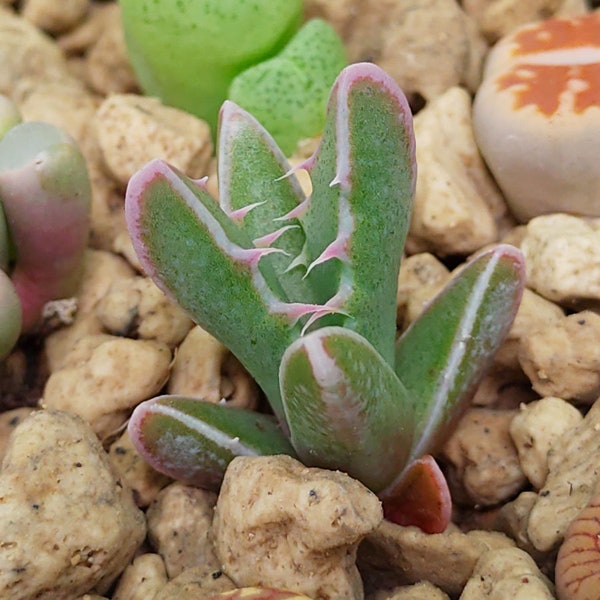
{"points": [[303, 292], [187, 52], [288, 92], [44, 221]]}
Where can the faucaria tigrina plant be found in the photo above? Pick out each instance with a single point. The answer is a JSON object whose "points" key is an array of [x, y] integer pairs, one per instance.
{"points": [[303, 292]]}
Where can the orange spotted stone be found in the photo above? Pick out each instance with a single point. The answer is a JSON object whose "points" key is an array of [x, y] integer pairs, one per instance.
{"points": [[536, 117]]}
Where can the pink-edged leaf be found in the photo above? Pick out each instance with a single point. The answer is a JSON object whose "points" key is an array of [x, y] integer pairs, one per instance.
{"points": [[208, 264], [345, 407], [444, 354], [252, 175], [363, 179], [193, 440], [422, 498]]}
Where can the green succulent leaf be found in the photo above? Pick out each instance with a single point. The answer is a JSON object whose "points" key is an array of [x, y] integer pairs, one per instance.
{"points": [[363, 182], [257, 188], [345, 407], [197, 255], [442, 356], [194, 440]]}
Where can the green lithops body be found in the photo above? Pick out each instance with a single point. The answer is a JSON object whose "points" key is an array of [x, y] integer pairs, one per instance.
{"points": [[288, 93], [187, 52]]}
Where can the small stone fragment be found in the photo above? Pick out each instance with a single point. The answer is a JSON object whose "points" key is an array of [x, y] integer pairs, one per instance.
{"points": [[534, 313], [564, 360], [573, 478], [562, 257], [283, 525], [535, 428], [104, 377], [27, 52], [67, 525], [142, 579], [134, 471], [204, 368], [196, 583], [9, 420], [132, 130], [55, 17], [457, 208], [421, 276], [484, 465], [179, 524], [138, 308], [497, 18], [100, 270], [507, 573], [428, 46], [108, 70], [419, 591], [394, 555]]}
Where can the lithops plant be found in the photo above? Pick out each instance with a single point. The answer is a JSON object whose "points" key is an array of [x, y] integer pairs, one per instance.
{"points": [[288, 92], [303, 292], [44, 223], [536, 116], [187, 52], [194, 55]]}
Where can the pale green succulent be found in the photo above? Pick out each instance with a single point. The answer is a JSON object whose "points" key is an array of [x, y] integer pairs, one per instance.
{"points": [[303, 292]]}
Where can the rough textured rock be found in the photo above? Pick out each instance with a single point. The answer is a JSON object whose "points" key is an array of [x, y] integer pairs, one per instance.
{"points": [[132, 130], [458, 207], [484, 465], [67, 524], [204, 368], [564, 360], [137, 308], [179, 522], [562, 257], [283, 525], [507, 573], [142, 579], [393, 555], [105, 377], [535, 428], [195, 584], [428, 46], [573, 478]]}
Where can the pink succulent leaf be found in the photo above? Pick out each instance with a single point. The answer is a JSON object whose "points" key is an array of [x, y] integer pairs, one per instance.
{"points": [[421, 498], [46, 195], [363, 184], [345, 407], [194, 440], [444, 354]]}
